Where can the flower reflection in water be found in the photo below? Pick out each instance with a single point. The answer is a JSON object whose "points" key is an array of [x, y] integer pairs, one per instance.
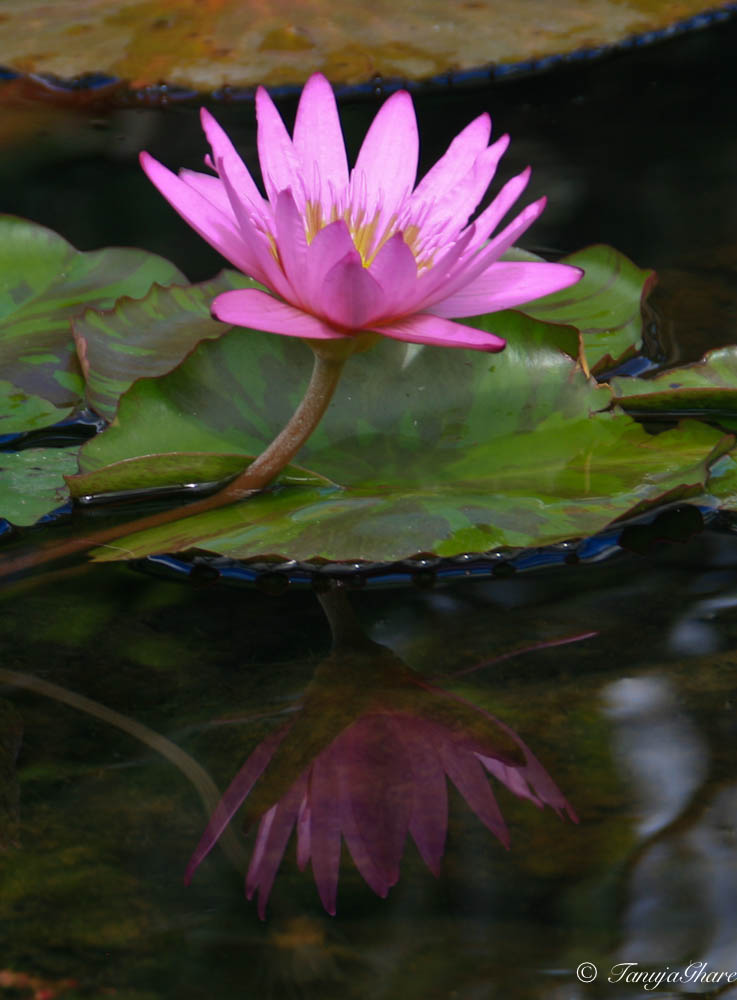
{"points": [[366, 761]]}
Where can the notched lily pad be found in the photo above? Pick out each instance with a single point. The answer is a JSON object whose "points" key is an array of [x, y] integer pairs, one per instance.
{"points": [[44, 282]]}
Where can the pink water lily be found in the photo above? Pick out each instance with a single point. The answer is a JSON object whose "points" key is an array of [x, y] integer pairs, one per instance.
{"points": [[349, 252]]}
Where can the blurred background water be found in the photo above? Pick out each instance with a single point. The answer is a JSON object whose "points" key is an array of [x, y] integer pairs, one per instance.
{"points": [[635, 724]]}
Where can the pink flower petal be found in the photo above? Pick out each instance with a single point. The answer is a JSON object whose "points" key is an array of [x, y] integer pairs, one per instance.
{"points": [[440, 274], [455, 163], [325, 828], [235, 795], [223, 149], [387, 160], [493, 214], [422, 328], [292, 243], [505, 285], [329, 246], [265, 267], [459, 202], [318, 141], [279, 162], [475, 263], [261, 311], [211, 188], [350, 297], [395, 269], [212, 225]]}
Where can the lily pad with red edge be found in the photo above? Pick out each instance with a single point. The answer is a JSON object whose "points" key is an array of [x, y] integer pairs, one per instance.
{"points": [[44, 283]]}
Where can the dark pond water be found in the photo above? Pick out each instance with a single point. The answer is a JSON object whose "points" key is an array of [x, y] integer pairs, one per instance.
{"points": [[636, 724]]}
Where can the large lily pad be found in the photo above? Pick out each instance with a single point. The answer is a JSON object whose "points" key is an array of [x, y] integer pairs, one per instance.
{"points": [[205, 44], [44, 282], [518, 454]]}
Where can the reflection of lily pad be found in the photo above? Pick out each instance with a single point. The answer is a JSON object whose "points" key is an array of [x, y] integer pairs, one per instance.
{"points": [[32, 482], [207, 43], [707, 389], [44, 282]]}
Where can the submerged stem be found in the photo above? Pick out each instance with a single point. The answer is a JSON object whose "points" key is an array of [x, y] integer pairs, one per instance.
{"points": [[194, 772], [325, 375]]}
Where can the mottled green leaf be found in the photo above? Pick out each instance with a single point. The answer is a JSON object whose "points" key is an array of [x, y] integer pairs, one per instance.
{"points": [[430, 449], [559, 488], [605, 305], [146, 337], [44, 282], [32, 482]]}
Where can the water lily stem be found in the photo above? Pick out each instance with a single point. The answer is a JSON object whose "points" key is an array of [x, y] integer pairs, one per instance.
{"points": [[325, 375], [326, 372]]}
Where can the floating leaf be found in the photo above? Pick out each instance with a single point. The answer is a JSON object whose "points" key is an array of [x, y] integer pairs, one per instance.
{"points": [[146, 337], [44, 282], [518, 454], [369, 522], [32, 482], [204, 44], [605, 305], [707, 389]]}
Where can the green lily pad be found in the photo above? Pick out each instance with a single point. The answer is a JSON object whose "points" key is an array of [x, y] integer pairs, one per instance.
{"points": [[520, 452], [146, 337], [605, 305], [44, 282], [32, 482], [707, 389]]}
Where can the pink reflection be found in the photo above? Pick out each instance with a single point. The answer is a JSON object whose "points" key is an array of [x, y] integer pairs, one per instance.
{"points": [[377, 772]]}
